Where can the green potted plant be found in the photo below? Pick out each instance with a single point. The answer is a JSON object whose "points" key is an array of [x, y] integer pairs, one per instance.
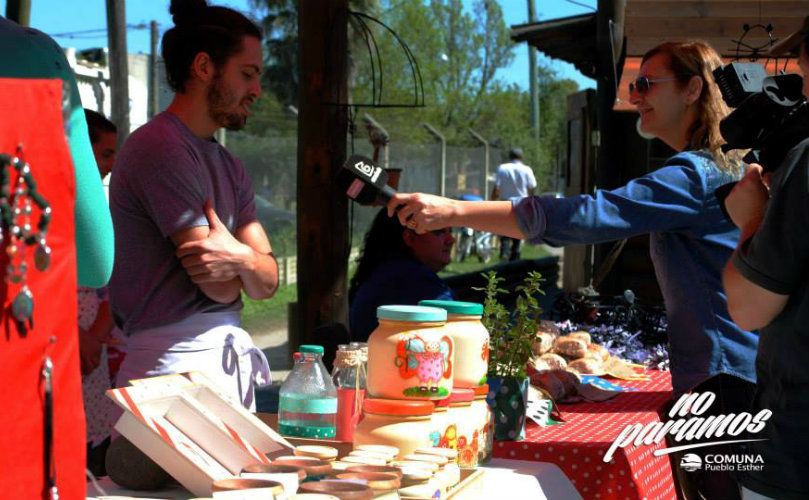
{"points": [[510, 338]]}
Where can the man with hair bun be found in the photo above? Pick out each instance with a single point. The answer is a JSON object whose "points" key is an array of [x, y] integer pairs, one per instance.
{"points": [[187, 239]]}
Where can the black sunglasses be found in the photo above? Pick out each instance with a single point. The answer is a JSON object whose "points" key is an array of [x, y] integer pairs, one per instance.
{"points": [[441, 232], [643, 84]]}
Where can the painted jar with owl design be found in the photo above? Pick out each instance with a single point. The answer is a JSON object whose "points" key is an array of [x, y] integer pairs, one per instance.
{"points": [[460, 409], [482, 418], [471, 341], [410, 354]]}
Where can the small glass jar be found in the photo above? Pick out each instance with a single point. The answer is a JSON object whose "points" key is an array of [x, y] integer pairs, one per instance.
{"points": [[402, 424], [410, 354], [482, 416], [471, 340], [460, 409]]}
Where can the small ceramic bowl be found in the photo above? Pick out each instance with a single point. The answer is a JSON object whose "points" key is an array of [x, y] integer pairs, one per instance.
{"points": [[326, 453], [234, 484], [364, 460], [378, 481], [379, 448], [375, 468], [315, 469], [274, 468], [343, 491]]}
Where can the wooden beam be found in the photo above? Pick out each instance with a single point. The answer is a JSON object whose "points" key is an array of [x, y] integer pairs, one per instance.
{"points": [[119, 66], [323, 240], [678, 28], [724, 46], [712, 9]]}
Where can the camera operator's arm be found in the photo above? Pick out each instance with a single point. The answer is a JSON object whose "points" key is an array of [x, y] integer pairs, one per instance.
{"points": [[770, 259]]}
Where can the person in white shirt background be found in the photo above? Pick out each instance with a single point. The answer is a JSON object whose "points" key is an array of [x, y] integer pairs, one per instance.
{"points": [[514, 180]]}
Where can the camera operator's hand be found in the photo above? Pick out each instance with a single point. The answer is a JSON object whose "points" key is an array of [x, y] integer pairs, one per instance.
{"points": [[749, 197]]}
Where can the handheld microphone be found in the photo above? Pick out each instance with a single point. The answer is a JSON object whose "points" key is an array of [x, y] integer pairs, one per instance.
{"points": [[363, 181]]}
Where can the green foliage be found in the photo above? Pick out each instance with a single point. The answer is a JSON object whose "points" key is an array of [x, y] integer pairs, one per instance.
{"points": [[511, 335], [461, 50]]}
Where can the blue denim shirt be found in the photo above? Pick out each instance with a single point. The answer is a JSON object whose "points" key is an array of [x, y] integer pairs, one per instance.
{"points": [[690, 243]]}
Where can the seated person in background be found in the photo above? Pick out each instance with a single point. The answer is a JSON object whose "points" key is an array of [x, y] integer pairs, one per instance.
{"points": [[96, 346], [104, 139], [399, 267]]}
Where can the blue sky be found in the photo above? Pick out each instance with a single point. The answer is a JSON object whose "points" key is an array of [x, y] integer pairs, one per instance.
{"points": [[55, 17]]}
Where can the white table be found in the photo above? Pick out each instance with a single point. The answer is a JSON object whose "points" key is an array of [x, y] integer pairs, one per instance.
{"points": [[502, 479]]}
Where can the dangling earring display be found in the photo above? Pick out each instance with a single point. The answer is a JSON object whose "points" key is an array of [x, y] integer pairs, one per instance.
{"points": [[16, 209]]}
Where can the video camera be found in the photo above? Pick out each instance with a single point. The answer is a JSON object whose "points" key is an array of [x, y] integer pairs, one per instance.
{"points": [[771, 115]]}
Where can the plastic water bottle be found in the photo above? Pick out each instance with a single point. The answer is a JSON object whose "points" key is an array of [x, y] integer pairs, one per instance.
{"points": [[308, 403]]}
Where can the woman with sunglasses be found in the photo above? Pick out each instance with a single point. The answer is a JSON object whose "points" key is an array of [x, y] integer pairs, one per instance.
{"points": [[397, 266], [691, 240]]}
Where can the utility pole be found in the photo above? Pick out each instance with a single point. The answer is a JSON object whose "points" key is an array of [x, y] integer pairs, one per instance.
{"points": [[532, 72], [119, 69], [19, 11], [154, 83]]}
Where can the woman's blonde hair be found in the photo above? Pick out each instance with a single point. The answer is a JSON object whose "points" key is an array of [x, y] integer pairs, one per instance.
{"points": [[697, 58]]}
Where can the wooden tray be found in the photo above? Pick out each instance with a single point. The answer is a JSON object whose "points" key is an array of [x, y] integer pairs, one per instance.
{"points": [[470, 480]]}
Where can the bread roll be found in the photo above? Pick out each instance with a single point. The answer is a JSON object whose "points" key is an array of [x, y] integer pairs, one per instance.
{"points": [[546, 326], [581, 335], [542, 343], [586, 366], [560, 384], [549, 361], [598, 352], [570, 347]]}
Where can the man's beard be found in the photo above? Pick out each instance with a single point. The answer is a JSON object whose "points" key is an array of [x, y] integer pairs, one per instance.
{"points": [[219, 100]]}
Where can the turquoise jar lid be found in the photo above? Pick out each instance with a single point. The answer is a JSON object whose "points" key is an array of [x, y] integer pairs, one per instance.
{"points": [[311, 349], [411, 313], [455, 307]]}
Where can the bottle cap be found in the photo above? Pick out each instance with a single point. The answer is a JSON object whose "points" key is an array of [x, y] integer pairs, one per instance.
{"points": [[311, 349], [455, 307], [411, 313]]}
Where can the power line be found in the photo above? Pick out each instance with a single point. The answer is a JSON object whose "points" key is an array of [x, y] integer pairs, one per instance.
{"points": [[580, 4], [98, 32]]}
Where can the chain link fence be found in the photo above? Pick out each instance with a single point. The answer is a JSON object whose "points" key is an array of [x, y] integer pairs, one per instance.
{"points": [[272, 165]]}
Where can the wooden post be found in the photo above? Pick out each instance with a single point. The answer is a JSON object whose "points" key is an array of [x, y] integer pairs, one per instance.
{"points": [[611, 53], [323, 240], [532, 76], [19, 11], [119, 69], [154, 83]]}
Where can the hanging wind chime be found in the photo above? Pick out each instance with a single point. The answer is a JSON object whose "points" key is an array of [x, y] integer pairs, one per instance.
{"points": [[18, 234]]}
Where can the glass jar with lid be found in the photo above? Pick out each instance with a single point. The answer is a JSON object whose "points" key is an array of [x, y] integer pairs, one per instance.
{"points": [[460, 409], [399, 423], [471, 340], [410, 354]]}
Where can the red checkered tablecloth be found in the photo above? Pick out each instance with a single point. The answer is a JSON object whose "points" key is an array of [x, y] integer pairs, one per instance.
{"points": [[578, 445]]}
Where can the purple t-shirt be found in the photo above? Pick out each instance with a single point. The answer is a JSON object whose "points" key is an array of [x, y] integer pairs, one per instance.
{"points": [[161, 180]]}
